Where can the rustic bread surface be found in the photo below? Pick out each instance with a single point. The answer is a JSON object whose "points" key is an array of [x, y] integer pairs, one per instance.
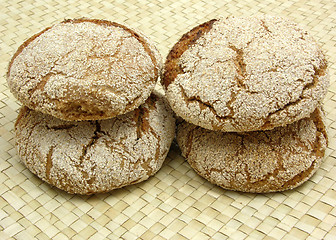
{"points": [[84, 69], [245, 74], [89, 157], [261, 161]]}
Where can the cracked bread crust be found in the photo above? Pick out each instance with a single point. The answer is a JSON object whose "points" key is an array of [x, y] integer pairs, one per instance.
{"points": [[261, 161], [245, 74], [84, 69], [88, 157]]}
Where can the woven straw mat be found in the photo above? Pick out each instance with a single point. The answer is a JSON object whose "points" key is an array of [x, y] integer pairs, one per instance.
{"points": [[176, 203]]}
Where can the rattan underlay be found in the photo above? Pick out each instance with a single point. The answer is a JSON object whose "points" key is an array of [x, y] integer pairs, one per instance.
{"points": [[176, 203]]}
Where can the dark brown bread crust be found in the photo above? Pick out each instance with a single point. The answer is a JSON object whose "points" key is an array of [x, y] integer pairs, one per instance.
{"points": [[134, 34], [261, 161], [22, 46], [90, 157], [96, 21], [222, 76], [172, 68], [84, 108]]}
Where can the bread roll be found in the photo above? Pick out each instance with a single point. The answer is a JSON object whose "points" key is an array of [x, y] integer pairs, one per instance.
{"points": [[260, 161], [89, 157], [84, 69], [245, 74]]}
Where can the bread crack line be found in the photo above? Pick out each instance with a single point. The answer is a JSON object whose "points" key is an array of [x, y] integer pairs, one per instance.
{"points": [[61, 127], [206, 105], [302, 175], [270, 177], [263, 24], [30, 134], [51, 73], [240, 66], [97, 134], [142, 127], [44, 79], [318, 72], [189, 142], [178, 49], [49, 163]]}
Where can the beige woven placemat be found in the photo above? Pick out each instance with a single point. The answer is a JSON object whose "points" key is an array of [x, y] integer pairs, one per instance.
{"points": [[175, 203]]}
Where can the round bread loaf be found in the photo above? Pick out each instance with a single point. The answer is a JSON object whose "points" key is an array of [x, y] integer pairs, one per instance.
{"points": [[261, 161], [245, 74], [84, 69], [89, 157]]}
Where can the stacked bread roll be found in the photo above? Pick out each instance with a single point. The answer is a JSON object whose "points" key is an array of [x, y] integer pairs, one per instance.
{"points": [[249, 92], [90, 121]]}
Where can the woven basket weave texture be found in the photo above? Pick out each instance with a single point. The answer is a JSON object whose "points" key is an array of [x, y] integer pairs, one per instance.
{"points": [[176, 203]]}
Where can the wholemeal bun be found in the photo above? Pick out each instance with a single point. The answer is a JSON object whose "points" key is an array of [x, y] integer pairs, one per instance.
{"points": [[245, 74], [84, 69], [86, 157], [261, 161]]}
